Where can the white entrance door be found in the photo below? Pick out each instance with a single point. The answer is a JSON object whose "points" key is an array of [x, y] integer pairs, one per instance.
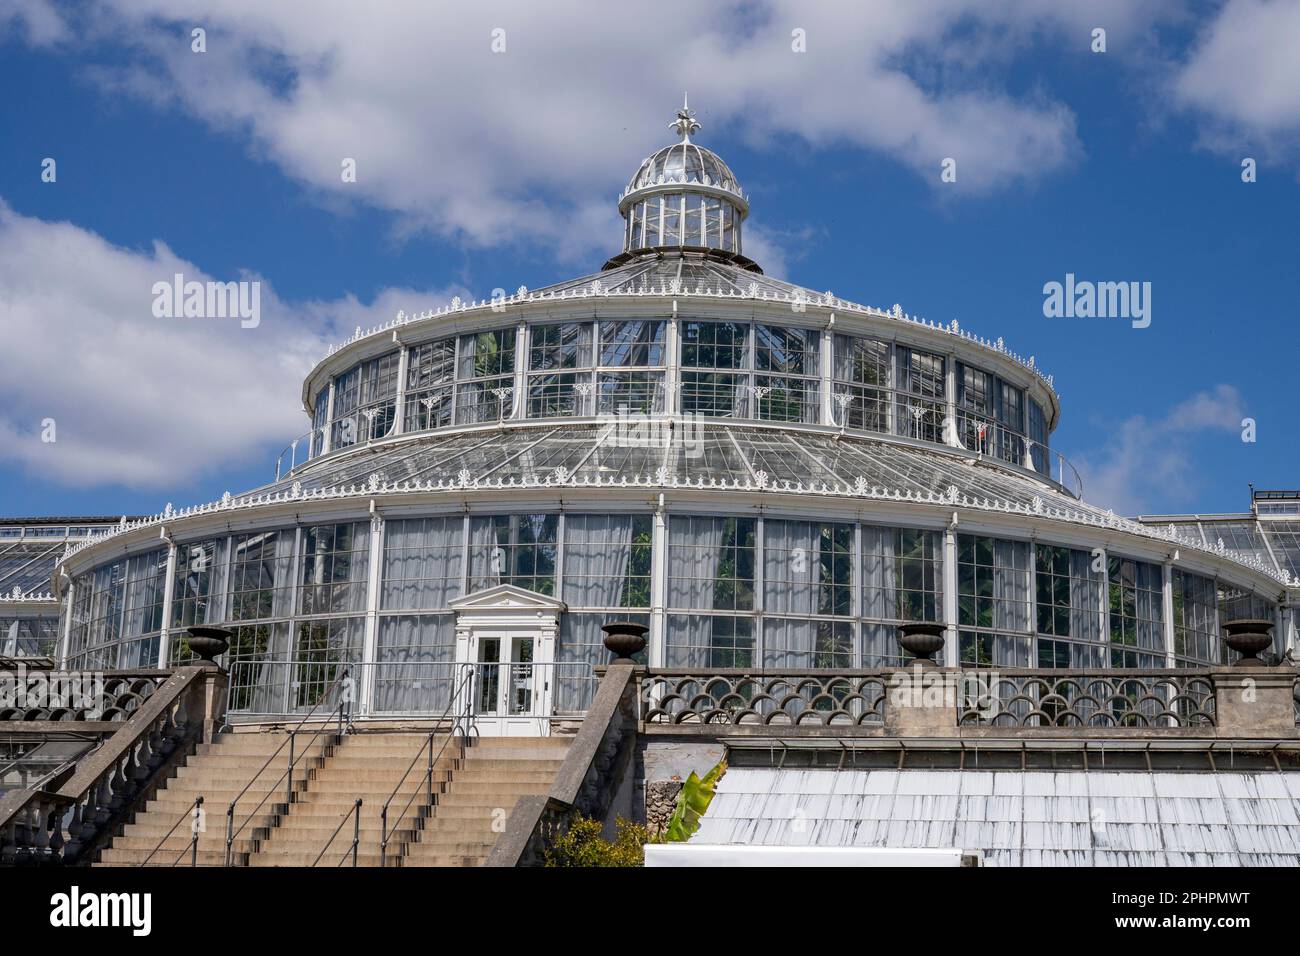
{"points": [[509, 691], [506, 636]]}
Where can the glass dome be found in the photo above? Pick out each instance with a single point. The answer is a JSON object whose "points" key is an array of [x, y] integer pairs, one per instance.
{"points": [[683, 196], [684, 162]]}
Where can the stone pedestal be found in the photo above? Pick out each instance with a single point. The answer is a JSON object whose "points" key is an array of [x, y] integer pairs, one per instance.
{"points": [[1255, 702], [921, 701], [212, 701]]}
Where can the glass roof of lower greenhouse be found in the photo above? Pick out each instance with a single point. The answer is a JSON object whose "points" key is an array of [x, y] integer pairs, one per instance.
{"points": [[713, 455], [26, 566], [666, 454]]}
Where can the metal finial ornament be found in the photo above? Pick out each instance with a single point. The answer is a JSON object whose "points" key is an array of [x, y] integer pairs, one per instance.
{"points": [[685, 123]]}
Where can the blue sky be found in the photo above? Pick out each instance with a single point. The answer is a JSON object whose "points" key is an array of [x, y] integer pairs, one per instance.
{"points": [[500, 170]]}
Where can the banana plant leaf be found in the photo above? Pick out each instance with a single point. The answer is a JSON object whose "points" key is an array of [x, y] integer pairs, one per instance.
{"points": [[692, 802]]}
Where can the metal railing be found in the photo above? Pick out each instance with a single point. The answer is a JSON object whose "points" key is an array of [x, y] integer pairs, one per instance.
{"points": [[343, 679], [1115, 698], [764, 698], [355, 814], [887, 411], [312, 443], [359, 427], [263, 688], [459, 731], [195, 813]]}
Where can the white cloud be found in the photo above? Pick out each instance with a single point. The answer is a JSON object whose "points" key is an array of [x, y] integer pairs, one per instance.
{"points": [[531, 144], [1243, 77], [1151, 463], [138, 400], [36, 20]]}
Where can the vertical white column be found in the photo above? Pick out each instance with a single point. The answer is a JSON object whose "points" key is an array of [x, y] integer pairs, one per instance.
{"points": [[169, 584], [560, 531], [827, 357], [1219, 648], [1103, 610], [71, 597], [659, 587], [327, 440], [1167, 596], [951, 645], [857, 565], [891, 405], [950, 393], [403, 363], [759, 603], [672, 373], [518, 400], [365, 688]]}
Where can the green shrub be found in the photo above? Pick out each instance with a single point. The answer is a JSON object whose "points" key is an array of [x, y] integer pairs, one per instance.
{"points": [[582, 845]]}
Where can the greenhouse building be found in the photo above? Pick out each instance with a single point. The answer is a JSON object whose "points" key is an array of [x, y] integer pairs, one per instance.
{"points": [[773, 480]]}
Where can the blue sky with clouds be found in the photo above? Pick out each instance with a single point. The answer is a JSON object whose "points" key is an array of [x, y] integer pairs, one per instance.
{"points": [[479, 170]]}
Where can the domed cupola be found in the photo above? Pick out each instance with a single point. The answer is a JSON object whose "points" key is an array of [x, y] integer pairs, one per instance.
{"points": [[683, 198]]}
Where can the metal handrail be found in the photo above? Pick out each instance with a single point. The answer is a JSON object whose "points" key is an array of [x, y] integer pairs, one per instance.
{"points": [[192, 812], [355, 813], [385, 834], [972, 430], [291, 450], [231, 833]]}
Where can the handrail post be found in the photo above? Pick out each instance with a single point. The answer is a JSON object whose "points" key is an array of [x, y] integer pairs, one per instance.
{"points": [[230, 832], [194, 835], [383, 836], [356, 831], [429, 775], [288, 789]]}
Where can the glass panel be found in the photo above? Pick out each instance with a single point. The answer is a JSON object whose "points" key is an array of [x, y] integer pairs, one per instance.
{"points": [[1136, 613], [513, 549]]}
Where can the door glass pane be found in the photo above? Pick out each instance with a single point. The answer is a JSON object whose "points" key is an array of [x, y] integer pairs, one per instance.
{"points": [[521, 676], [489, 682]]}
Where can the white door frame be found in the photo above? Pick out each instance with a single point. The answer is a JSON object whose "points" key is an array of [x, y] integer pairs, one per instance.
{"points": [[508, 612]]}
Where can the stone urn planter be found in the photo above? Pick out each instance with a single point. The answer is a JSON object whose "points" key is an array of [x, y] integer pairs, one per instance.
{"points": [[625, 638], [1248, 637], [923, 639], [207, 642]]}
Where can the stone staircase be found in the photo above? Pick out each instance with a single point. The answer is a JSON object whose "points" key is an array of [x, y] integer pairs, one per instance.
{"points": [[217, 772], [475, 791]]}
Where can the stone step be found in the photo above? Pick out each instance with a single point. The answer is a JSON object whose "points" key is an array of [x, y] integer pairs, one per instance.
{"points": [[439, 860], [450, 846], [534, 766], [490, 778], [116, 857], [397, 766], [174, 803], [456, 814], [378, 777], [207, 841], [477, 786], [259, 745], [506, 795]]}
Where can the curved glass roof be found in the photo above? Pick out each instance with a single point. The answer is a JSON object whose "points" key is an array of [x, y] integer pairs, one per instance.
{"points": [[776, 458], [26, 567], [660, 453], [684, 163], [698, 274]]}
